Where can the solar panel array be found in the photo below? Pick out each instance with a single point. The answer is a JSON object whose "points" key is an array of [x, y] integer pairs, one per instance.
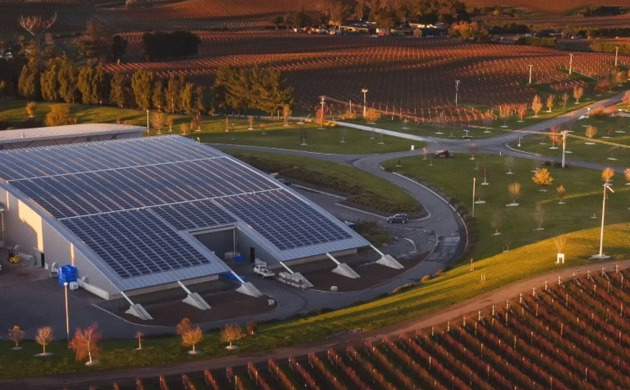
{"points": [[135, 243], [72, 195], [283, 219], [128, 200], [194, 215], [98, 156]]}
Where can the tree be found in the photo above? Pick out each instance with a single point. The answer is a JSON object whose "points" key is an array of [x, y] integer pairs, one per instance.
{"points": [[591, 131], [188, 98], [286, 113], [505, 111], [59, 115], [158, 120], [536, 105], [85, 84], [158, 100], [230, 333], [28, 82], [85, 343], [36, 25], [141, 85], [191, 338], [551, 100], [200, 101], [515, 190], [554, 136], [522, 111], [172, 93], [577, 93], [119, 90], [539, 216], [626, 173], [252, 327], [372, 115], [607, 174], [44, 337], [542, 178], [67, 77], [561, 192], [95, 43], [16, 335], [49, 83], [30, 109], [626, 99], [565, 99], [139, 336], [183, 326]]}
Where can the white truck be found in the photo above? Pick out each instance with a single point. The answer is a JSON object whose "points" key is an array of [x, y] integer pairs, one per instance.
{"points": [[262, 271]]}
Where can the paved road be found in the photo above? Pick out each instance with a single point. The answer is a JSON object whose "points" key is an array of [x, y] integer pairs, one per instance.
{"points": [[469, 307]]}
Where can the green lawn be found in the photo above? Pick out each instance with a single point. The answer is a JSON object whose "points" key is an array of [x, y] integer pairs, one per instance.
{"points": [[363, 188], [451, 287], [610, 129], [517, 225], [307, 137]]}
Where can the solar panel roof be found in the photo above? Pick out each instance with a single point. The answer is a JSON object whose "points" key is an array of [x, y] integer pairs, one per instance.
{"points": [[133, 202]]}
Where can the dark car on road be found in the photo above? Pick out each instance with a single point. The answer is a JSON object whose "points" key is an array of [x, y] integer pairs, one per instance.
{"points": [[398, 218]]}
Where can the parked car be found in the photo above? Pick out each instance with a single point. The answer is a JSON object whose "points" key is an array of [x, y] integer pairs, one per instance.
{"points": [[442, 153], [263, 272], [398, 218]]}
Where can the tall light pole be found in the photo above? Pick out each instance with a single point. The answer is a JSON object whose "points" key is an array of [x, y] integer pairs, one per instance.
{"points": [[616, 55], [457, 91], [148, 127], [601, 254], [570, 63], [365, 91], [530, 73], [473, 195], [65, 289], [323, 103], [564, 146]]}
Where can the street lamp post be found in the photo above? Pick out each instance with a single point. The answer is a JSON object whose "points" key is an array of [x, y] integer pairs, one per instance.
{"points": [[148, 124], [570, 63], [588, 112], [65, 289], [365, 91], [519, 141], [457, 92], [530, 73], [323, 103], [473, 195], [564, 146], [601, 254]]}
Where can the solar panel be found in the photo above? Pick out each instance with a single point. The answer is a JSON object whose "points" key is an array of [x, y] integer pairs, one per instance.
{"points": [[135, 243], [97, 156], [129, 188], [283, 219], [194, 215]]}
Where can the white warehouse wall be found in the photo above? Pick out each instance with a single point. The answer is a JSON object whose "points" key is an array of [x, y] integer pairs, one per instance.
{"points": [[36, 232]]}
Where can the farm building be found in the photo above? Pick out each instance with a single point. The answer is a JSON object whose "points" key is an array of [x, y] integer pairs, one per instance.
{"points": [[143, 214]]}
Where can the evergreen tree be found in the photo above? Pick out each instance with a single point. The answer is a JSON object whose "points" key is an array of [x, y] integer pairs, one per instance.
{"points": [[49, 83], [59, 115], [199, 100], [85, 84], [158, 101], [28, 83], [67, 77], [219, 88], [101, 85], [172, 93], [188, 98], [141, 85], [119, 90]]}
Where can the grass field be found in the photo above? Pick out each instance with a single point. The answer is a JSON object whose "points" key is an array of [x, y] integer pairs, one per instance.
{"points": [[518, 225], [611, 144], [308, 137], [447, 289]]}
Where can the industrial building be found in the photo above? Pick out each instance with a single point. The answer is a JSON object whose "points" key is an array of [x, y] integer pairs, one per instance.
{"points": [[139, 214]]}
